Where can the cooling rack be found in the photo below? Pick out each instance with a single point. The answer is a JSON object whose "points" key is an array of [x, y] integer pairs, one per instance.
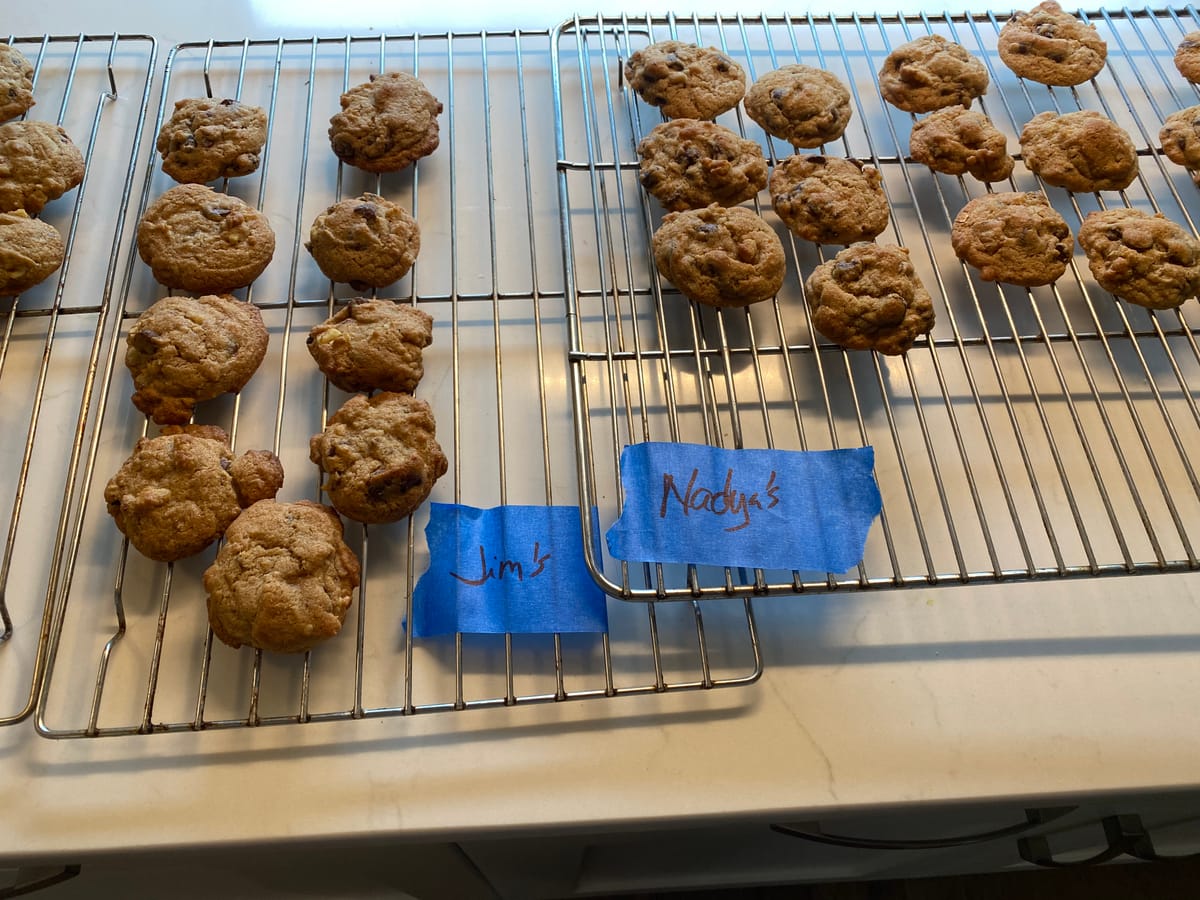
{"points": [[96, 87], [1038, 433]]}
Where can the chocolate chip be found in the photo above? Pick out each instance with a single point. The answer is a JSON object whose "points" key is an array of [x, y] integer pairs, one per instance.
{"points": [[367, 211], [228, 102]]}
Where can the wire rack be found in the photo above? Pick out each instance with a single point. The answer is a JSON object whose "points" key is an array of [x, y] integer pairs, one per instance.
{"points": [[131, 652], [1039, 433], [96, 87]]}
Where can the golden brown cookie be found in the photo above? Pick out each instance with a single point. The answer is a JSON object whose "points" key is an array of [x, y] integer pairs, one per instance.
{"points": [[803, 105], [386, 123], [381, 456], [719, 256], [684, 80], [202, 241], [1081, 151], [208, 138], [1180, 138], [869, 297], [828, 199], [1016, 238], [30, 250], [930, 72], [1187, 57], [38, 163], [284, 578], [1050, 46], [178, 492], [184, 350], [366, 242], [958, 141], [16, 83], [1145, 259], [688, 163], [370, 345]]}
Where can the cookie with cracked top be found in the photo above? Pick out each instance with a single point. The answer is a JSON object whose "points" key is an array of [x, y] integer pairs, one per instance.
{"points": [[930, 72], [386, 123], [30, 251], [16, 83], [803, 105], [365, 241], [828, 199], [957, 140], [1145, 259], [208, 138], [1081, 151], [689, 163], [1050, 46], [685, 80], [370, 345], [38, 163], [1187, 57], [1014, 237]]}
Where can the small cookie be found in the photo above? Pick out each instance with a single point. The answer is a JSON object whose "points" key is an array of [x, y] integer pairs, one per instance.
{"points": [[1145, 259], [689, 163], [869, 297], [1180, 137], [207, 138], [183, 350], [30, 250], [1081, 151], [381, 456], [201, 241], [370, 345], [386, 123], [719, 256], [366, 242], [284, 578], [1017, 238], [803, 105], [1050, 46], [684, 80], [931, 72], [38, 163], [957, 140], [828, 199], [178, 492], [1187, 57], [16, 83]]}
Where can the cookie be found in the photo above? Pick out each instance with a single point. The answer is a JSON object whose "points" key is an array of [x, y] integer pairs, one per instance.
{"points": [[803, 105], [16, 83], [684, 80], [869, 297], [828, 199], [30, 250], [1050, 46], [929, 73], [689, 163], [38, 163], [1017, 238], [1145, 259], [386, 123], [380, 455], [366, 242], [1187, 57], [208, 138], [958, 141], [1180, 137], [184, 350], [198, 240], [178, 492], [1081, 151], [719, 256], [370, 345], [283, 580]]}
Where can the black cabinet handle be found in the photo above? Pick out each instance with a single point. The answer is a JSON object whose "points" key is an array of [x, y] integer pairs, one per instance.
{"points": [[1124, 834], [39, 881]]}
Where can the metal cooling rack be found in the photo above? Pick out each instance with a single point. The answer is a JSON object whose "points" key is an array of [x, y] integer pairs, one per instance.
{"points": [[95, 86], [131, 650], [1040, 433]]}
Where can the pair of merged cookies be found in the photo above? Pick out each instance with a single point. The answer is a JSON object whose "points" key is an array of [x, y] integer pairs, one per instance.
{"points": [[957, 140]]}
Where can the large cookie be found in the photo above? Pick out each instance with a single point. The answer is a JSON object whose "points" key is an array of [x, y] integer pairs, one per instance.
{"points": [[1145, 259], [1050, 46], [370, 345], [1180, 138], [689, 163], [365, 242], [958, 141], [1081, 151], [1016, 238], [803, 105], [16, 83], [684, 80], [930, 72], [386, 123], [30, 250], [38, 163], [828, 199], [208, 138]]}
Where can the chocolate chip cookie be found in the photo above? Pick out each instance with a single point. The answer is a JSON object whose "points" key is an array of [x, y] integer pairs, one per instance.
{"points": [[803, 105], [689, 163], [930, 72], [1180, 138], [1050, 46], [16, 83], [685, 80], [202, 241], [370, 345], [366, 242], [828, 199], [1187, 57], [1017, 238], [208, 138], [869, 297], [184, 350], [1081, 151], [1145, 259], [381, 456], [38, 163], [958, 141], [386, 123], [719, 256], [284, 578], [30, 250], [178, 492]]}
